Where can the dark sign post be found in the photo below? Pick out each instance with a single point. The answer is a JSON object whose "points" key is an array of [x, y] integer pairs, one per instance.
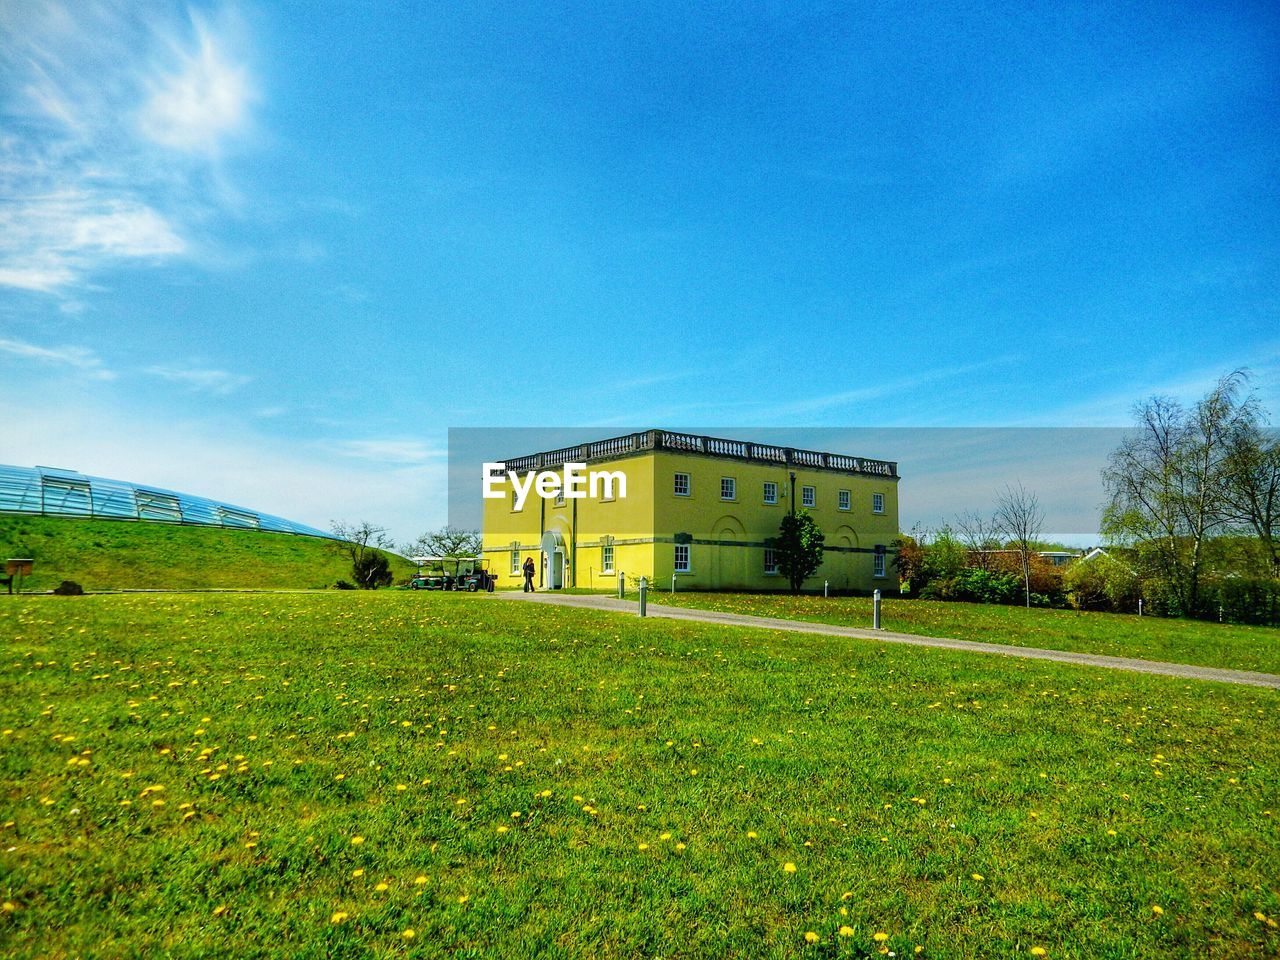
{"points": [[17, 568]]}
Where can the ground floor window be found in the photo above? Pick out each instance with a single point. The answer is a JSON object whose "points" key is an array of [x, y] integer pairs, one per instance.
{"points": [[879, 562], [606, 558], [770, 561], [682, 557], [515, 563]]}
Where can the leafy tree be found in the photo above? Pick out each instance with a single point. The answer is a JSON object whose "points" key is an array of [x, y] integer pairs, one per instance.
{"points": [[373, 570], [908, 560], [1019, 518], [445, 542], [945, 556], [364, 544], [1167, 484], [799, 548]]}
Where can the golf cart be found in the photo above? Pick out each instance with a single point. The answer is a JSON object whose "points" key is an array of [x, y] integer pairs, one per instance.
{"points": [[452, 573]]}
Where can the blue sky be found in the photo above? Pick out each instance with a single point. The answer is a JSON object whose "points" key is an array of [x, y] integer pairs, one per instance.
{"points": [[271, 252]]}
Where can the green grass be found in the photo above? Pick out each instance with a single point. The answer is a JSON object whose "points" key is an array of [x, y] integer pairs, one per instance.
{"points": [[123, 555], [1148, 638], [283, 727]]}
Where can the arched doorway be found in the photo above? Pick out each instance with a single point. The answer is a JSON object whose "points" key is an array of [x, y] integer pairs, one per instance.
{"points": [[554, 560]]}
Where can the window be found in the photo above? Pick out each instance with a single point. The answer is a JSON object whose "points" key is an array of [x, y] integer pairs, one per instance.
{"points": [[682, 485], [770, 492], [844, 499], [514, 508], [682, 558], [728, 488], [560, 497], [770, 562], [808, 496], [606, 558], [515, 563], [877, 503], [879, 561]]}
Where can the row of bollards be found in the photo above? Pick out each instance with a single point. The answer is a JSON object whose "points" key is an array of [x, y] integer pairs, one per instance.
{"points": [[644, 599]]}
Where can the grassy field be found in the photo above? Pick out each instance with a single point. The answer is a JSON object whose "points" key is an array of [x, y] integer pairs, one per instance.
{"points": [[119, 555], [397, 775], [1148, 638]]}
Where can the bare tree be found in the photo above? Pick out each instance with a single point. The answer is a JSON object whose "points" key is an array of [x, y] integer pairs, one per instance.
{"points": [[1168, 482], [445, 542], [980, 536], [1019, 519], [1252, 489]]}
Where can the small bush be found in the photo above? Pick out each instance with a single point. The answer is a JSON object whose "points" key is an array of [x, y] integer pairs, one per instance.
{"points": [[343, 585]]}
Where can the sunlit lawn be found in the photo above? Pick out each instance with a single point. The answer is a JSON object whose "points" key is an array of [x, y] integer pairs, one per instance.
{"points": [[400, 774], [1148, 638]]}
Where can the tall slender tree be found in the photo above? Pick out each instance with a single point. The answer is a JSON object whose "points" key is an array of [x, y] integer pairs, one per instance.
{"points": [[1019, 518]]}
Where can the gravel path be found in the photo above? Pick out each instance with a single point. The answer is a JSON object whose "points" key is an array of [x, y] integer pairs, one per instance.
{"points": [[1185, 671]]}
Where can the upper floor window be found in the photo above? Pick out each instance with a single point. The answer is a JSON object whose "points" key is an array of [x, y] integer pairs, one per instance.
{"points": [[808, 496], [682, 485], [844, 499], [877, 503], [770, 492], [728, 488]]}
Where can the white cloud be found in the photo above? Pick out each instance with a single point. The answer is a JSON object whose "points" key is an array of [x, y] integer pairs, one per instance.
{"points": [[384, 451], [206, 99], [114, 123], [80, 358], [200, 379]]}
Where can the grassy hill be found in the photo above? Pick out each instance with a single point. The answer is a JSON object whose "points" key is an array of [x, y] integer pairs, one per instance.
{"points": [[124, 555]]}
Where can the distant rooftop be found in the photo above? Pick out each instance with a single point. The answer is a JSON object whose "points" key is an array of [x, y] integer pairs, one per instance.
{"points": [[632, 443]]}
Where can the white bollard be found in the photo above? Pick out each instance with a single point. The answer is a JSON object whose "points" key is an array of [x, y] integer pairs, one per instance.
{"points": [[622, 585], [875, 609], [1139, 606], [825, 585], [644, 594]]}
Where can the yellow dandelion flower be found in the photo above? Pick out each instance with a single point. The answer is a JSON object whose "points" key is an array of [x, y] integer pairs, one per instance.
{"points": [[503, 828], [811, 937], [1039, 952], [977, 876], [789, 867], [846, 931], [464, 898], [880, 936], [409, 934], [679, 847], [847, 895], [356, 841], [219, 910], [642, 846], [9, 906], [420, 880], [382, 886], [545, 793], [1157, 910], [751, 834], [338, 916], [400, 787], [358, 872]]}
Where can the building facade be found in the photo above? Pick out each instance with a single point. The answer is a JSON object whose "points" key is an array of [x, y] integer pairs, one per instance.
{"points": [[700, 509]]}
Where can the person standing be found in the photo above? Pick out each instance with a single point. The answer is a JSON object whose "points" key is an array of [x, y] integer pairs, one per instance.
{"points": [[529, 569]]}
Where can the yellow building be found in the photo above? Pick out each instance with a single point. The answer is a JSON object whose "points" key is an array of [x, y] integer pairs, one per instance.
{"points": [[701, 509]]}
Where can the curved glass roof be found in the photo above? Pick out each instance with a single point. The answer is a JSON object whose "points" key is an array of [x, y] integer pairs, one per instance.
{"points": [[47, 491]]}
